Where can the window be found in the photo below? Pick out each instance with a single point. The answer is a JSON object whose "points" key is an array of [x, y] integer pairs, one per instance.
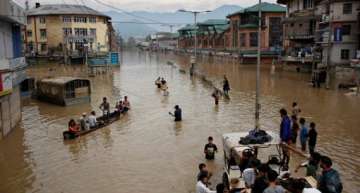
{"points": [[243, 39], [81, 32], [105, 21], [292, 24], [308, 4], [29, 33], [92, 19], [346, 29], [42, 19], [347, 8], [66, 19], [29, 20], [42, 33], [80, 19], [67, 31], [345, 54], [43, 47], [92, 31], [253, 39]]}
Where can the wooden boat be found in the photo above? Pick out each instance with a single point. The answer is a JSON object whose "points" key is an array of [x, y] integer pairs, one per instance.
{"points": [[102, 122], [63, 90]]}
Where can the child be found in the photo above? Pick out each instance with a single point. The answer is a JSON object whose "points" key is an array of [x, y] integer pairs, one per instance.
{"points": [[210, 149]]}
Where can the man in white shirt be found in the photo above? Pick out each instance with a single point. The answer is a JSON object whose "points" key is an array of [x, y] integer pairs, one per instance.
{"points": [[200, 185], [92, 120]]}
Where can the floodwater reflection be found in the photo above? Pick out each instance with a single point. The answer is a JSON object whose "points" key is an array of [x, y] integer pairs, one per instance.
{"points": [[146, 151]]}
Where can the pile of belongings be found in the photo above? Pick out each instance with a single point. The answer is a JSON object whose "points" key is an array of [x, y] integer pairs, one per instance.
{"points": [[255, 137]]}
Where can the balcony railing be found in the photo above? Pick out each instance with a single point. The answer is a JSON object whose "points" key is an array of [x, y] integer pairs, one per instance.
{"points": [[80, 38], [300, 35], [12, 64]]}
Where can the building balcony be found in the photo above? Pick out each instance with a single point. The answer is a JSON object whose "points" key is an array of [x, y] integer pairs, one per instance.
{"points": [[12, 64], [300, 36], [80, 38], [307, 59]]}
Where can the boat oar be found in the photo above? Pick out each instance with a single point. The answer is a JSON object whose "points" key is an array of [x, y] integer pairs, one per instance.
{"points": [[294, 149]]}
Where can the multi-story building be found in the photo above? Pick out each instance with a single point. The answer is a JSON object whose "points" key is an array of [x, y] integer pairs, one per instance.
{"points": [[12, 64], [63, 29], [339, 19], [308, 25], [243, 31], [210, 34], [164, 41]]}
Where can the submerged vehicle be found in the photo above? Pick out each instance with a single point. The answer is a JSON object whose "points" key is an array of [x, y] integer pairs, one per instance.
{"points": [[63, 90]]}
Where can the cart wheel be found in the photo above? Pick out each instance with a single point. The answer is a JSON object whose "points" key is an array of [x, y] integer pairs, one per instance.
{"points": [[225, 180]]}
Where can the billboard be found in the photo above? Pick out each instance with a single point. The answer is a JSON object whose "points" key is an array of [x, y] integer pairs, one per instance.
{"points": [[5, 84]]}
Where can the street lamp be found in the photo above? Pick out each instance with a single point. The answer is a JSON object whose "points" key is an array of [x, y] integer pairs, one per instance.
{"points": [[195, 13]]}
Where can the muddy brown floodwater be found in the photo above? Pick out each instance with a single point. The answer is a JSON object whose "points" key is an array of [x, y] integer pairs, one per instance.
{"points": [[146, 151]]}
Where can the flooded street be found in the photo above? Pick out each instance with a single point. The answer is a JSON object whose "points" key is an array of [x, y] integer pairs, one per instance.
{"points": [[146, 151]]}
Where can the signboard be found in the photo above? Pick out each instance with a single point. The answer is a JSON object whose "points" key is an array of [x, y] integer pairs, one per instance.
{"points": [[338, 34], [5, 84]]}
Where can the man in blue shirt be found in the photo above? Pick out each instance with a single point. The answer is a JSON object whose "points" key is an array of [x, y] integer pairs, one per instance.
{"points": [[329, 181], [285, 136]]}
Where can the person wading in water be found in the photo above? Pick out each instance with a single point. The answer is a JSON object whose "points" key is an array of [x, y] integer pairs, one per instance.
{"points": [[177, 113], [226, 86]]}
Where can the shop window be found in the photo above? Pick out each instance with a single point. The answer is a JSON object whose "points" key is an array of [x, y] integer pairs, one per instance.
{"points": [[253, 39], [347, 8], [345, 54]]}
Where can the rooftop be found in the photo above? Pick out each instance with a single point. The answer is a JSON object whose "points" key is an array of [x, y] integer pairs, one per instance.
{"points": [[60, 80], [64, 9], [265, 7]]}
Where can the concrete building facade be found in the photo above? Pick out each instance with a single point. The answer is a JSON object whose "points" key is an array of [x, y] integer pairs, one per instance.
{"points": [[308, 25], [243, 32], [66, 29], [12, 65]]}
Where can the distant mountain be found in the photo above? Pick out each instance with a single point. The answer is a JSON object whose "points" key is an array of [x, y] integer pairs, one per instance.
{"points": [[141, 30]]}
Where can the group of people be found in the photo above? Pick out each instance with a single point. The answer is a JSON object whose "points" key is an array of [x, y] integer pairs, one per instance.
{"points": [[217, 94], [260, 178], [291, 129], [90, 122], [161, 83]]}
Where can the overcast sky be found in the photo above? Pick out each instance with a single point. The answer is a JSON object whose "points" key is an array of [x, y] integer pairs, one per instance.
{"points": [[153, 5]]}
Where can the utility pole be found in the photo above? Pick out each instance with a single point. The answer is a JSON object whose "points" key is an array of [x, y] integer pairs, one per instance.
{"points": [[329, 44], [196, 31], [195, 13], [257, 103]]}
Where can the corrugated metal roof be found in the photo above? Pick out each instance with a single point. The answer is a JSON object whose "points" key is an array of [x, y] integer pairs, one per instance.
{"points": [[64, 9], [60, 80], [214, 22], [265, 7]]}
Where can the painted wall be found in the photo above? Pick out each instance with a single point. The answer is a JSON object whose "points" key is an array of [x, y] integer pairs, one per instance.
{"points": [[337, 11], [6, 48], [54, 27]]}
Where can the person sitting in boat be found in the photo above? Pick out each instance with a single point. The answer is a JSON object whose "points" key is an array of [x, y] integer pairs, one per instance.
{"points": [[126, 104], [84, 122], [120, 106], [92, 120], [105, 107], [158, 82], [73, 127]]}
